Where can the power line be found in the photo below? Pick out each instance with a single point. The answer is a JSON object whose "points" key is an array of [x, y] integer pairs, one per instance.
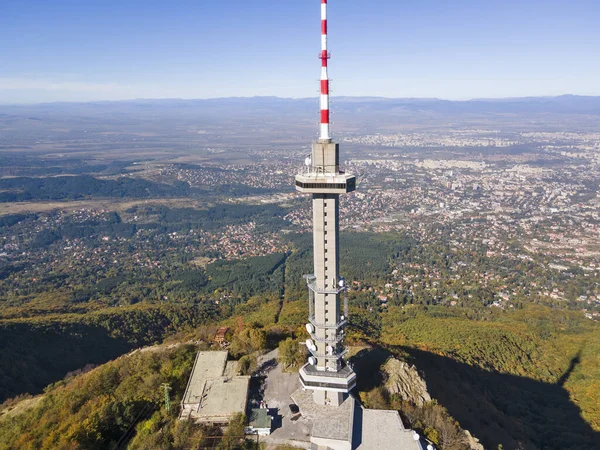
{"points": [[143, 414], [149, 408]]}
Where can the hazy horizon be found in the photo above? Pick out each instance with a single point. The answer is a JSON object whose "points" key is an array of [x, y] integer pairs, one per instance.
{"points": [[82, 51]]}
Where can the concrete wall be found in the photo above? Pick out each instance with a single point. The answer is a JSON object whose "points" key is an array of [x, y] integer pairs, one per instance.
{"points": [[332, 444], [325, 157]]}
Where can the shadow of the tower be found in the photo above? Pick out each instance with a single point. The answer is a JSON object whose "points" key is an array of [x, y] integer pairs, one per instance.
{"points": [[574, 363], [497, 408]]}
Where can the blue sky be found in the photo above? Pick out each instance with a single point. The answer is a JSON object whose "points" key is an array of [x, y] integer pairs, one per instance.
{"points": [[72, 50]]}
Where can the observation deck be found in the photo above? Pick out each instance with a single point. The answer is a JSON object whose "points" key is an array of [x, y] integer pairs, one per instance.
{"points": [[318, 180], [322, 173]]}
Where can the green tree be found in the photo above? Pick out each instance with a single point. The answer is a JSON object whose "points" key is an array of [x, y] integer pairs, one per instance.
{"points": [[234, 436], [247, 341], [247, 364], [291, 353]]}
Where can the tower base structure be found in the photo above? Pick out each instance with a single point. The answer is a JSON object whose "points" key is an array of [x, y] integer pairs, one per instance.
{"points": [[329, 388], [349, 426]]}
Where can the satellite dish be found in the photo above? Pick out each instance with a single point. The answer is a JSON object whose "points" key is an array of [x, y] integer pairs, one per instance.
{"points": [[310, 328], [312, 360], [416, 436], [342, 317], [430, 447], [307, 161], [342, 282], [311, 345], [329, 350]]}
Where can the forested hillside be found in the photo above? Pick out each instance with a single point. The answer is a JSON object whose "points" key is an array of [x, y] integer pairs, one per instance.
{"points": [[39, 351], [529, 376], [98, 410], [77, 187], [524, 379]]}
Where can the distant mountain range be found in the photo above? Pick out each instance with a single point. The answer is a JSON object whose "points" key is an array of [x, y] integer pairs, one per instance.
{"points": [[564, 104]]}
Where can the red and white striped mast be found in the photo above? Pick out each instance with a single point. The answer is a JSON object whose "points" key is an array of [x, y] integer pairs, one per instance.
{"points": [[324, 76]]}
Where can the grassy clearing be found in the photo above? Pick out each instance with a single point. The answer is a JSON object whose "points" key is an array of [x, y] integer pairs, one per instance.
{"points": [[112, 205], [20, 407]]}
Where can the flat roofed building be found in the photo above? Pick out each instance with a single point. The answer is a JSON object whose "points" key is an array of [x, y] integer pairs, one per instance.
{"points": [[210, 396], [349, 426], [333, 426], [259, 422], [377, 429], [206, 365]]}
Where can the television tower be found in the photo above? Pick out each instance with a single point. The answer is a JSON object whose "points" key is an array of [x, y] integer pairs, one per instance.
{"points": [[326, 373]]}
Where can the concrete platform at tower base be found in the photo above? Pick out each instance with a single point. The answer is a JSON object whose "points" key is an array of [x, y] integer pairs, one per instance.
{"points": [[352, 427], [343, 380], [332, 425]]}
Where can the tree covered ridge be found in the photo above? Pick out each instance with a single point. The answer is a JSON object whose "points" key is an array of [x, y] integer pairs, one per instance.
{"points": [[526, 378], [39, 351], [501, 388], [21, 189], [95, 410], [77, 187]]}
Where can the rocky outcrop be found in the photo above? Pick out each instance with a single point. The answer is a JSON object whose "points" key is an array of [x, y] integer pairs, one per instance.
{"points": [[404, 381], [472, 442]]}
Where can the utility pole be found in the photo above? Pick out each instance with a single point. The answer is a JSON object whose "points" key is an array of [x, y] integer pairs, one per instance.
{"points": [[166, 387]]}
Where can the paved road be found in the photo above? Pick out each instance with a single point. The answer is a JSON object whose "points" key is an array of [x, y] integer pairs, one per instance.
{"points": [[277, 390]]}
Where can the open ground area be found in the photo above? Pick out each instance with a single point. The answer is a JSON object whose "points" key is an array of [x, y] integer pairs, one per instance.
{"points": [[278, 387]]}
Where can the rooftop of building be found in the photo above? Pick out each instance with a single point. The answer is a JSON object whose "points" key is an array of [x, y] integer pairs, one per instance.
{"points": [[259, 418], [220, 334], [206, 365], [364, 429], [329, 422], [222, 398], [213, 394], [375, 429]]}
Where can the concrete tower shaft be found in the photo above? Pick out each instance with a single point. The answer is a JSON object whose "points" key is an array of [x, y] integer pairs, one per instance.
{"points": [[327, 316]]}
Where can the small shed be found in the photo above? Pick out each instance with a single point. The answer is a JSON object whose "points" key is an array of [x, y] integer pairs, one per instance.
{"points": [[259, 422], [220, 335]]}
